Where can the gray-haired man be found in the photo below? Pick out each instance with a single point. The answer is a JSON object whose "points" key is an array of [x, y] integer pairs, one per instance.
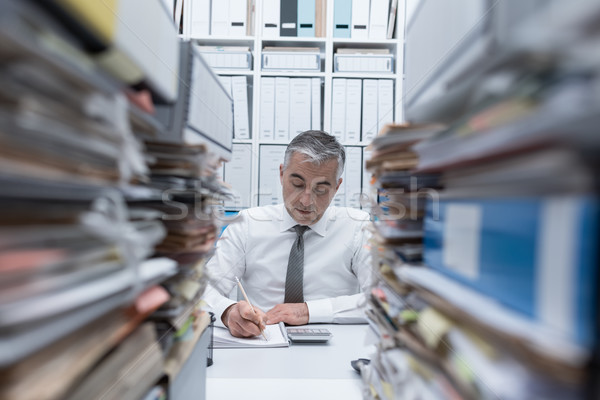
{"points": [[299, 275]]}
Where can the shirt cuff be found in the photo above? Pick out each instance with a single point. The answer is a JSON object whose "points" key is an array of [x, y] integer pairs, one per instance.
{"points": [[217, 304], [320, 311]]}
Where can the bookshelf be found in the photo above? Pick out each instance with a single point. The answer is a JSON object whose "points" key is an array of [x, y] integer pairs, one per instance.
{"points": [[327, 46]]}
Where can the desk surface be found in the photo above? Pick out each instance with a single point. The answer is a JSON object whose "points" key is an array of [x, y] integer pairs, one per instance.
{"points": [[301, 371]]}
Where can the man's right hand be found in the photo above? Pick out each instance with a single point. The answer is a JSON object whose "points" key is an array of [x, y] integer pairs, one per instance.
{"points": [[242, 321]]}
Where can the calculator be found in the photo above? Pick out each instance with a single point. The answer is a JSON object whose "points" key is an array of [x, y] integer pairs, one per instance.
{"points": [[309, 335]]}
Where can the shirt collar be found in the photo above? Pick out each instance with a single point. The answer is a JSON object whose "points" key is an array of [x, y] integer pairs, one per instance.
{"points": [[287, 222]]}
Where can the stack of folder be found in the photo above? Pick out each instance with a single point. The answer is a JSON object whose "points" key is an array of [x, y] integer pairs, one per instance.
{"points": [[505, 301], [399, 208], [84, 160], [74, 258]]}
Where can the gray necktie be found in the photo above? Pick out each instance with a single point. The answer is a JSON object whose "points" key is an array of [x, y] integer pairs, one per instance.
{"points": [[295, 272]]}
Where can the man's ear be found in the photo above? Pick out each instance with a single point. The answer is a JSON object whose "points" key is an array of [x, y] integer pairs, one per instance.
{"points": [[338, 184], [281, 173]]}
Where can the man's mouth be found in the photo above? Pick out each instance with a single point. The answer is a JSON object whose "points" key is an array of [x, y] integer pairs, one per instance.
{"points": [[304, 212]]}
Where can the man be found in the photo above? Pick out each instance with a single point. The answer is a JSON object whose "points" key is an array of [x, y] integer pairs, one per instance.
{"points": [[263, 249]]}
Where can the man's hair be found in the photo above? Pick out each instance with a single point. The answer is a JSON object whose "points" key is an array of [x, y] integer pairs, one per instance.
{"points": [[318, 147]]}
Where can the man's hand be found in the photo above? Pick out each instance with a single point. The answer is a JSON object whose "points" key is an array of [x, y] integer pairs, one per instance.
{"points": [[290, 313], [242, 321]]}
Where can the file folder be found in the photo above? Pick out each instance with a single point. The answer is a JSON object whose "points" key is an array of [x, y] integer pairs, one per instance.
{"points": [[338, 109], [200, 18], [353, 108], [269, 186], [238, 173], [385, 106], [267, 109], [342, 18], [360, 19], [219, 18], [288, 16], [534, 255], [271, 18], [300, 99], [237, 17], [369, 110], [378, 20], [316, 103], [306, 18], [282, 108], [240, 107], [353, 178]]}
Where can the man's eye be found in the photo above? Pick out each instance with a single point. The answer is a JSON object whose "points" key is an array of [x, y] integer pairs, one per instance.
{"points": [[321, 190], [297, 185]]}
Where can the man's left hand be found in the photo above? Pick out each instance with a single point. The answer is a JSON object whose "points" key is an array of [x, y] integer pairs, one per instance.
{"points": [[290, 313]]}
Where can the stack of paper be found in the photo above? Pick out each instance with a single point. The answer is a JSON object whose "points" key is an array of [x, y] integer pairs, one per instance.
{"points": [[504, 301], [78, 270]]}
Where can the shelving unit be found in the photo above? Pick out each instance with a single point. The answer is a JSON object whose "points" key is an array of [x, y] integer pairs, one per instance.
{"points": [[327, 46]]}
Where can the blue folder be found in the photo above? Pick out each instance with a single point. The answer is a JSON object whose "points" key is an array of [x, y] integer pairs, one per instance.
{"points": [[512, 235], [342, 18], [306, 18]]}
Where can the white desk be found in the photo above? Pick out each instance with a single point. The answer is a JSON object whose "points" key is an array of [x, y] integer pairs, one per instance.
{"points": [[302, 371]]}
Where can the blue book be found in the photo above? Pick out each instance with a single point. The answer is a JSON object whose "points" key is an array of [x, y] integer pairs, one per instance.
{"points": [[342, 18], [306, 18], [535, 255]]}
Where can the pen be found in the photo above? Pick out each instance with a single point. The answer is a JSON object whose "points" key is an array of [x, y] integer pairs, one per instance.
{"points": [[248, 301]]}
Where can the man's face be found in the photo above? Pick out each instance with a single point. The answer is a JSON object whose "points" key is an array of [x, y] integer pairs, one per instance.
{"points": [[308, 188]]}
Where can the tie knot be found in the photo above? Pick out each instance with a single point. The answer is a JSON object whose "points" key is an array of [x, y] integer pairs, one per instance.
{"points": [[300, 229]]}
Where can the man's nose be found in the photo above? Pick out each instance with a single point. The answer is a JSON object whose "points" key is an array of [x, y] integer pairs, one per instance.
{"points": [[306, 198]]}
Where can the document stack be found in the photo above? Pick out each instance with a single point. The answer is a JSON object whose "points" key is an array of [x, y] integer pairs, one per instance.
{"points": [[505, 302], [402, 194], [81, 254], [186, 190], [75, 266]]}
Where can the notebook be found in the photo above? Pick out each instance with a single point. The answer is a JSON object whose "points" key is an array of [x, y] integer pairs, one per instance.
{"points": [[276, 337]]}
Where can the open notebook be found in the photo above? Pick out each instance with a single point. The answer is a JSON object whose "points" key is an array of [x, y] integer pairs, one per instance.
{"points": [[276, 337]]}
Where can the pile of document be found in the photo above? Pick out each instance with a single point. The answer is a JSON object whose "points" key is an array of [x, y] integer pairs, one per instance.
{"points": [[90, 175], [401, 193], [504, 302]]}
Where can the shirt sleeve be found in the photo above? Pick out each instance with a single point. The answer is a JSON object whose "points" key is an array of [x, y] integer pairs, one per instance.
{"points": [[348, 309], [227, 263]]}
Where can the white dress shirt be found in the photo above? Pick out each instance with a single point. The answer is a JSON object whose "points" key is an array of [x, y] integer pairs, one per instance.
{"points": [[256, 248]]}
